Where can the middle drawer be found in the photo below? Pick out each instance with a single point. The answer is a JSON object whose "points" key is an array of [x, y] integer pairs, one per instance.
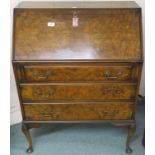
{"points": [[77, 91]]}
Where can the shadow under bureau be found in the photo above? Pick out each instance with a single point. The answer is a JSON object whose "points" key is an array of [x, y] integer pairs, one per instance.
{"points": [[77, 64]]}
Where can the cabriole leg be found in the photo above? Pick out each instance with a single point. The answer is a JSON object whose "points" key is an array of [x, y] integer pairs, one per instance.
{"points": [[25, 129], [131, 131]]}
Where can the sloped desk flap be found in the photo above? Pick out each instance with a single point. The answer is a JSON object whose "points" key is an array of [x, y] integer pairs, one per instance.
{"points": [[64, 34]]}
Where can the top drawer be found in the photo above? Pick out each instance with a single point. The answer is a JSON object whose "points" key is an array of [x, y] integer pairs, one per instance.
{"points": [[73, 72]]}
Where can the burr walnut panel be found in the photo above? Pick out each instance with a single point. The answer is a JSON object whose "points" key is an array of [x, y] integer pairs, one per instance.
{"points": [[78, 73], [70, 112], [77, 91], [49, 34]]}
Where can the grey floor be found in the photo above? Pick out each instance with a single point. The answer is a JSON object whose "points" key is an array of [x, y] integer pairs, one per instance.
{"points": [[79, 139]]}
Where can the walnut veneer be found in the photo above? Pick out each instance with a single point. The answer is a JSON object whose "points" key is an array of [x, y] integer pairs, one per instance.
{"points": [[77, 64]]}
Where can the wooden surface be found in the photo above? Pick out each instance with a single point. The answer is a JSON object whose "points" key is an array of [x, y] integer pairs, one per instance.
{"points": [[101, 34], [78, 91], [69, 71], [78, 4], [78, 73], [37, 112]]}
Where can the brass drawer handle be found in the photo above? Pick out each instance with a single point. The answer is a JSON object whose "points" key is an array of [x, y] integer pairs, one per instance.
{"points": [[41, 76], [118, 91], [41, 94], [108, 75], [113, 90], [51, 92]]}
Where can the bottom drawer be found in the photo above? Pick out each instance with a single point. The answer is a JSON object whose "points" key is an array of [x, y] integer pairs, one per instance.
{"points": [[78, 111]]}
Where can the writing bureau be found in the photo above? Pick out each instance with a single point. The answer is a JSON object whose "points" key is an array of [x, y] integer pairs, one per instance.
{"points": [[77, 62]]}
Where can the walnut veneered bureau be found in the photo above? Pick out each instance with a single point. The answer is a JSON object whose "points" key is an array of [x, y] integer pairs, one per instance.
{"points": [[77, 62]]}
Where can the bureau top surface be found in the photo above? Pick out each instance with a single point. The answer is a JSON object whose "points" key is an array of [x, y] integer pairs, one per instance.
{"points": [[78, 4], [77, 31]]}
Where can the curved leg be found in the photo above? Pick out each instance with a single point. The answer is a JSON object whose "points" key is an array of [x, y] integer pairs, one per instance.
{"points": [[25, 129], [131, 131]]}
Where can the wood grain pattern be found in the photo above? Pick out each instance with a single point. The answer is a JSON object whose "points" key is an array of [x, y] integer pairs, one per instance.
{"points": [[77, 73], [71, 91], [39, 112], [101, 34], [85, 71]]}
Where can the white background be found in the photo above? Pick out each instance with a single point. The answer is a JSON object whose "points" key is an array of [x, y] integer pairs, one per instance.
{"points": [[5, 76], [15, 109]]}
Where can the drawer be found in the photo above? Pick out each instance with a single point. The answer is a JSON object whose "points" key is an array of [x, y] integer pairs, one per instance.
{"points": [[70, 112], [77, 91], [78, 73]]}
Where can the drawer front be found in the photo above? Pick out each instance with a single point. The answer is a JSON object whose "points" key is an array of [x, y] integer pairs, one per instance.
{"points": [[77, 91], [70, 112], [77, 73]]}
